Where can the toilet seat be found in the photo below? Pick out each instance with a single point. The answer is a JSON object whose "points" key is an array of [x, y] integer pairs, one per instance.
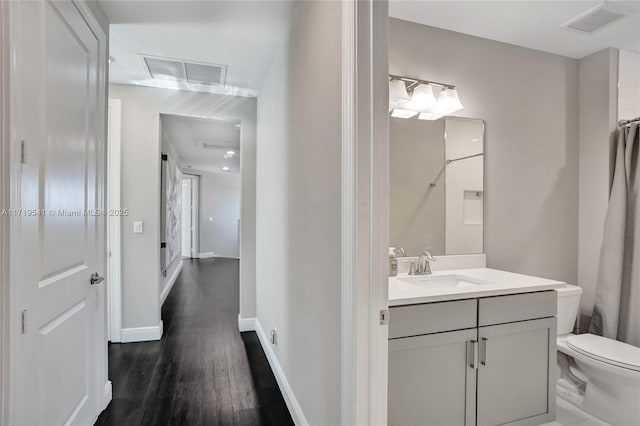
{"points": [[606, 350]]}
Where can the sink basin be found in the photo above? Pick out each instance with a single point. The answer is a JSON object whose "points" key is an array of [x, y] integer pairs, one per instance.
{"points": [[443, 281]]}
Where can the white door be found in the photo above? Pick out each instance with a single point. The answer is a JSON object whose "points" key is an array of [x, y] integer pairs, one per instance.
{"points": [[186, 218], [56, 105]]}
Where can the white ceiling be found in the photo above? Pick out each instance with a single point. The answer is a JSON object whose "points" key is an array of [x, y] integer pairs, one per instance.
{"points": [[532, 24], [187, 134], [240, 34]]}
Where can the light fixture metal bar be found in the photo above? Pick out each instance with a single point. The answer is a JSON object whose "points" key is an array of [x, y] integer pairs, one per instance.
{"points": [[464, 158], [415, 81]]}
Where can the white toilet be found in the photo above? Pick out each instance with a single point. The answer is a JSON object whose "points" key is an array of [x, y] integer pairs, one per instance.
{"points": [[600, 375]]}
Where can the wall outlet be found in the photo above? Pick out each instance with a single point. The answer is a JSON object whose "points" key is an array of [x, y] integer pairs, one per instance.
{"points": [[138, 227], [274, 336]]}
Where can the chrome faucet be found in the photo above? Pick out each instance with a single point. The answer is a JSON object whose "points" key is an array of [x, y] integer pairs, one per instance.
{"points": [[424, 265], [399, 252]]}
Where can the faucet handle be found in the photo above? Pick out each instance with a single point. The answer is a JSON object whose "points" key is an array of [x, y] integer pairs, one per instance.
{"points": [[428, 256], [412, 266]]}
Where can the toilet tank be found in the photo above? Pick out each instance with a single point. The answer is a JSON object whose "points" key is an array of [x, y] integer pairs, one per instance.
{"points": [[568, 304]]}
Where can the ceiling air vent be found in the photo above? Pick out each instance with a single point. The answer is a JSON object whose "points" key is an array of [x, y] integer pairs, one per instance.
{"points": [[190, 72], [598, 17]]}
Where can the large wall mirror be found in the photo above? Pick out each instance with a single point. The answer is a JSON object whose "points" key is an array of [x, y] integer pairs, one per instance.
{"points": [[437, 185]]}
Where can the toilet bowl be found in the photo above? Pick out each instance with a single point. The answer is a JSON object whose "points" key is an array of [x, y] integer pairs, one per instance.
{"points": [[609, 369]]}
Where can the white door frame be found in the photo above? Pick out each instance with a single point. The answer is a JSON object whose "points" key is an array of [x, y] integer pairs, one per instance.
{"points": [[5, 203], [114, 223], [365, 206], [9, 197]]}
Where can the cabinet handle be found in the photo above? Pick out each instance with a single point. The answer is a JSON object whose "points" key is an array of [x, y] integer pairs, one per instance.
{"points": [[472, 354], [483, 351]]}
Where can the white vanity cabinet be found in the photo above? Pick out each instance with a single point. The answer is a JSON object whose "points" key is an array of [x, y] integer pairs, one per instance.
{"points": [[474, 362]]}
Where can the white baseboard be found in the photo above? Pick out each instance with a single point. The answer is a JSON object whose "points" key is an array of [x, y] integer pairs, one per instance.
{"points": [[170, 283], [108, 393], [246, 324], [142, 334], [289, 398], [206, 255]]}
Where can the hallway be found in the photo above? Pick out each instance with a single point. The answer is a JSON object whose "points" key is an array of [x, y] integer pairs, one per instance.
{"points": [[203, 371]]}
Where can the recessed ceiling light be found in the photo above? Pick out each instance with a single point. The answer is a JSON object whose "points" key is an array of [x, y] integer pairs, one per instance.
{"points": [[226, 169], [231, 152]]}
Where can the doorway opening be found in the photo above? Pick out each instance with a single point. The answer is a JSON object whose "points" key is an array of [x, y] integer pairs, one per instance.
{"points": [[206, 151]]}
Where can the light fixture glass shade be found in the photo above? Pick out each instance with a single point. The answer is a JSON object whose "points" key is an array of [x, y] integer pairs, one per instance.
{"points": [[429, 116], [403, 113], [448, 102], [397, 93], [422, 98]]}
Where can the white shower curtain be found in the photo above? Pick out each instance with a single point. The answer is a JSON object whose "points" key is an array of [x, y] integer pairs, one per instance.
{"points": [[616, 313]]}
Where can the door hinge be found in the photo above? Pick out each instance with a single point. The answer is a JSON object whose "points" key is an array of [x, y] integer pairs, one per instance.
{"points": [[23, 152], [23, 322], [384, 317]]}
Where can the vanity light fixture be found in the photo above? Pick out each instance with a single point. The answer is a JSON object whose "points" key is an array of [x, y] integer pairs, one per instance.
{"points": [[448, 102], [429, 116], [403, 113], [398, 93], [230, 152], [422, 99]]}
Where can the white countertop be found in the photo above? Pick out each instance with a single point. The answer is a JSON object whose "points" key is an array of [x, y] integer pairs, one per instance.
{"points": [[495, 283]]}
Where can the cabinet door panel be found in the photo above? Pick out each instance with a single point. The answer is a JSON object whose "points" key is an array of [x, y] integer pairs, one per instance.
{"points": [[515, 373], [431, 381]]}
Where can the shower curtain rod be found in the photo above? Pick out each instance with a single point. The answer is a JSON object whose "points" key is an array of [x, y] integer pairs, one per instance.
{"points": [[626, 122]]}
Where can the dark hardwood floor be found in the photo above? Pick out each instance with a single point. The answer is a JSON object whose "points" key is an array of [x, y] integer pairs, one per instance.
{"points": [[203, 371]]}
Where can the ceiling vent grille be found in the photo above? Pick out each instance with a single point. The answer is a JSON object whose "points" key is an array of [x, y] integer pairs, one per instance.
{"points": [[598, 17], [189, 72]]}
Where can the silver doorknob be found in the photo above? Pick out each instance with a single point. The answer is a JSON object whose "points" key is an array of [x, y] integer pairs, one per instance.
{"points": [[95, 278]]}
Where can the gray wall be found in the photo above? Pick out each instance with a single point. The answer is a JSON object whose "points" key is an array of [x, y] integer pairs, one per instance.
{"points": [[629, 85], [598, 119], [141, 109], [299, 206], [417, 210], [529, 100], [219, 199]]}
